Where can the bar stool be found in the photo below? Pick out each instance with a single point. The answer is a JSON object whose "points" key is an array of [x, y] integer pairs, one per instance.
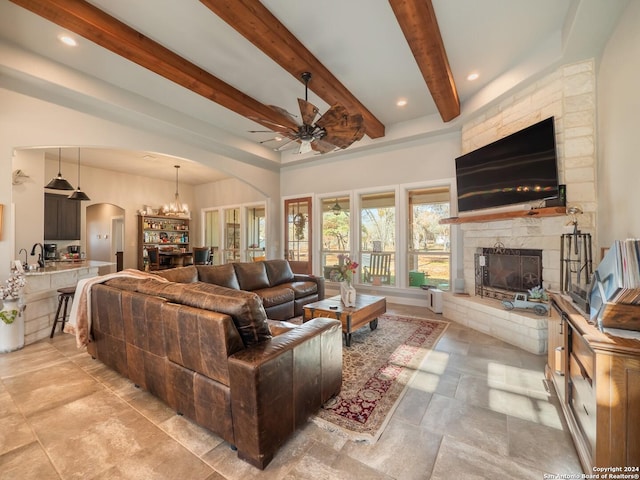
{"points": [[64, 294]]}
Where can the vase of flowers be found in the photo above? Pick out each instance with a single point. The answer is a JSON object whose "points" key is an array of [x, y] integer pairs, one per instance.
{"points": [[345, 272], [11, 321]]}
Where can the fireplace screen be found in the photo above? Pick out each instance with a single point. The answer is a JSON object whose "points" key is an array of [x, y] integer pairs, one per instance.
{"points": [[501, 271]]}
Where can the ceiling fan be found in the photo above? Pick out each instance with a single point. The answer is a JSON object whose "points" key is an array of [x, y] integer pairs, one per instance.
{"points": [[336, 128]]}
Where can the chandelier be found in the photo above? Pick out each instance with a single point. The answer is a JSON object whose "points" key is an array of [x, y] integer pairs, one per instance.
{"points": [[176, 208]]}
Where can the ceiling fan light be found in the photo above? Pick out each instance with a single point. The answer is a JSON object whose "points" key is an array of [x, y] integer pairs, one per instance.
{"points": [[305, 147]]}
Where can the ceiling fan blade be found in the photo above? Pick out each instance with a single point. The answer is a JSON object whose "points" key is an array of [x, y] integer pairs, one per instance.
{"points": [[322, 146], [264, 120], [284, 112], [331, 116], [308, 111], [341, 128], [285, 145]]}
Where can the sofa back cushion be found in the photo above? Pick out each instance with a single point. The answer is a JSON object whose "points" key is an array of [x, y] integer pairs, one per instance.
{"points": [[200, 340], [278, 271], [251, 275], [222, 275], [245, 308], [180, 275]]}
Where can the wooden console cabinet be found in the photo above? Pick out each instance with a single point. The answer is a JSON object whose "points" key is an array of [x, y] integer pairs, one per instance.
{"points": [[597, 378]]}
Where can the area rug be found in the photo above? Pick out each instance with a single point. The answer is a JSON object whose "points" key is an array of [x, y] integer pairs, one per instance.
{"points": [[376, 370]]}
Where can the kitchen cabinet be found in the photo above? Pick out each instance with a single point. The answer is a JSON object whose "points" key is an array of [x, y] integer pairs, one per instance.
{"points": [[597, 378], [61, 217], [163, 232]]}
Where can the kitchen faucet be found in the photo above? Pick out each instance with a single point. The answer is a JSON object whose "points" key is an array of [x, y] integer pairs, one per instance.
{"points": [[40, 255], [25, 264]]}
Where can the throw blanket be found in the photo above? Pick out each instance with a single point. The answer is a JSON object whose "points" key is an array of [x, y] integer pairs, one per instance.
{"points": [[79, 323]]}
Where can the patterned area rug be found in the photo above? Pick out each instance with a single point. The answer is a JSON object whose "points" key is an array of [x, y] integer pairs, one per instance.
{"points": [[376, 370]]}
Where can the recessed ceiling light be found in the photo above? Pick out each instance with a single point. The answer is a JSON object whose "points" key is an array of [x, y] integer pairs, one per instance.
{"points": [[67, 40], [278, 139], [402, 102], [473, 76]]}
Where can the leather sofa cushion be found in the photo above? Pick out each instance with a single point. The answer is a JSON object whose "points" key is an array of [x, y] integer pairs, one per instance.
{"points": [[251, 275], [275, 295], [222, 275], [278, 271], [245, 308], [303, 289], [180, 275]]}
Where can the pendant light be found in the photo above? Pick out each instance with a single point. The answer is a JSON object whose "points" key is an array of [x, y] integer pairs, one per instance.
{"points": [[177, 208], [78, 194], [59, 183]]}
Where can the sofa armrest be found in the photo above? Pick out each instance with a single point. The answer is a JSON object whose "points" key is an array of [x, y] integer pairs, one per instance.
{"points": [[277, 384], [299, 277]]}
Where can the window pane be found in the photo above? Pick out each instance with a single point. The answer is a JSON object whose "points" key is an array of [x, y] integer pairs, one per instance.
{"points": [[232, 235], [256, 228], [335, 233], [429, 247], [212, 232], [378, 238]]}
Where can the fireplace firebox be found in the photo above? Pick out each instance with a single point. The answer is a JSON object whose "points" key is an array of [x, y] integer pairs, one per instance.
{"points": [[500, 271]]}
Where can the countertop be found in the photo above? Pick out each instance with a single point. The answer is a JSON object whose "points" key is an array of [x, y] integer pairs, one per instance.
{"points": [[65, 266]]}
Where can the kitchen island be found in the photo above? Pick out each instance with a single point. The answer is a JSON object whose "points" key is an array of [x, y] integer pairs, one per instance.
{"points": [[41, 292]]}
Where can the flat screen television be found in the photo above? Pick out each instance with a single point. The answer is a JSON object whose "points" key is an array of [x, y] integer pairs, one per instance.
{"points": [[519, 168]]}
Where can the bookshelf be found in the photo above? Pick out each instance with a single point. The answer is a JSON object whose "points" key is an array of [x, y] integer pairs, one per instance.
{"points": [[163, 232]]}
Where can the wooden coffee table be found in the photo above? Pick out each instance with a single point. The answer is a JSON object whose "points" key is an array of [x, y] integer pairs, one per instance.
{"points": [[367, 310]]}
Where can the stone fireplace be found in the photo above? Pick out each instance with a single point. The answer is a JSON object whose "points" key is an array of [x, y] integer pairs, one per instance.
{"points": [[500, 271], [568, 94]]}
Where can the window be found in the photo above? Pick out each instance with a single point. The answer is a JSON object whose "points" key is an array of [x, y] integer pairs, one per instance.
{"points": [[256, 232], [231, 235], [429, 254], [378, 238], [335, 229], [212, 232]]}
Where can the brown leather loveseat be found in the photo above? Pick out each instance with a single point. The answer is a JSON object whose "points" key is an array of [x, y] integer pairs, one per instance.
{"points": [[283, 293], [211, 354]]}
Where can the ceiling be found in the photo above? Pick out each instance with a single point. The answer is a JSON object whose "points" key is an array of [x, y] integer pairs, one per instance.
{"points": [[360, 42]]}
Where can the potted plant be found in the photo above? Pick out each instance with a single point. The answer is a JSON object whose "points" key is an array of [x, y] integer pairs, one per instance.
{"points": [[538, 294]]}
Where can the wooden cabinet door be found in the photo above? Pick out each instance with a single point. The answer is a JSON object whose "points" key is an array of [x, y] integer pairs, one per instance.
{"points": [[297, 234], [61, 218]]}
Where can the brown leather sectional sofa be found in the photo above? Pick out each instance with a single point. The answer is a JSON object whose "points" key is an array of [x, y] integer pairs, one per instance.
{"points": [[210, 353], [283, 293]]}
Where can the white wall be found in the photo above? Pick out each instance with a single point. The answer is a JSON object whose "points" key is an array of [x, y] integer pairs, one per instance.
{"points": [[619, 131]]}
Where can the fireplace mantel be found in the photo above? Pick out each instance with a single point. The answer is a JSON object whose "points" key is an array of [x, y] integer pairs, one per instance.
{"points": [[490, 217]]}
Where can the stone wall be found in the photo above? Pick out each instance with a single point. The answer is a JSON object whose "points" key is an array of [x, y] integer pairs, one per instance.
{"points": [[568, 94]]}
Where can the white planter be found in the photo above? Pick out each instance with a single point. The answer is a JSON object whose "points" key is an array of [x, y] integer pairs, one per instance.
{"points": [[12, 334], [347, 294]]}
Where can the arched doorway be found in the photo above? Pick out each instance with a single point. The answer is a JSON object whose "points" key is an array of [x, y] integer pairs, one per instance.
{"points": [[105, 229]]}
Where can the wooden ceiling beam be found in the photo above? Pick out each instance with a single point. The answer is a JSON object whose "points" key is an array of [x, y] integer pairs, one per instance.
{"points": [[257, 24], [97, 26], [418, 22]]}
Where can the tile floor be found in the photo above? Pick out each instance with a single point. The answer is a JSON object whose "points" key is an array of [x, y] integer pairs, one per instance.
{"points": [[477, 408]]}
